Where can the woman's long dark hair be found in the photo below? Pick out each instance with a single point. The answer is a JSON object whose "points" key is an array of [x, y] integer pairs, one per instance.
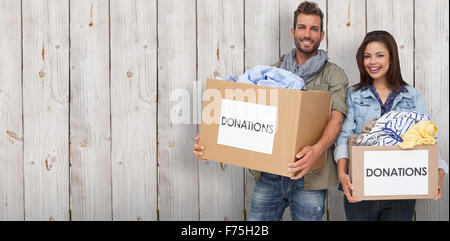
{"points": [[393, 76]]}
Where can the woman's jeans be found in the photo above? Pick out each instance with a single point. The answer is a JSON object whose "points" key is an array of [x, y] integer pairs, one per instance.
{"points": [[382, 210], [273, 193]]}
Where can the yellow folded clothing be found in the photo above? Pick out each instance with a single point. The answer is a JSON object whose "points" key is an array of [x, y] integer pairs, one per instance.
{"points": [[423, 132]]}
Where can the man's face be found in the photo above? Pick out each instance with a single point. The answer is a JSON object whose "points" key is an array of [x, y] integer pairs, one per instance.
{"points": [[307, 35]]}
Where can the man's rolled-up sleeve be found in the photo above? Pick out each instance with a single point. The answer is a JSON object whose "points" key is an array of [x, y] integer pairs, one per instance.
{"points": [[338, 88]]}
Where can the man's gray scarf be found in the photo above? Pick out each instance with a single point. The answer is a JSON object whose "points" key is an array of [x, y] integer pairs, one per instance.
{"points": [[307, 71]]}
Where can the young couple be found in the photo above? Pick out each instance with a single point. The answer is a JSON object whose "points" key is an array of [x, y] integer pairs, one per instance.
{"points": [[380, 90]]}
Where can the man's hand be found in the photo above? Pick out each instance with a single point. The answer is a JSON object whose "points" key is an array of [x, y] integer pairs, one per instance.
{"points": [[309, 154], [441, 175], [198, 149], [305, 160]]}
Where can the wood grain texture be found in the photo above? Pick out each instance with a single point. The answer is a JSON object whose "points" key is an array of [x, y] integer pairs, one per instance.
{"points": [[220, 52], [133, 109], [11, 131], [99, 99], [90, 109], [261, 32], [46, 108], [178, 183], [431, 79], [346, 30]]}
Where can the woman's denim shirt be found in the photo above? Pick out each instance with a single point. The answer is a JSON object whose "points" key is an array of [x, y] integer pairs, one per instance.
{"points": [[363, 106]]}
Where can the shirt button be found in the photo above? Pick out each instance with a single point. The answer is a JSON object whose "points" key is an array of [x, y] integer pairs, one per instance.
{"points": [[362, 103], [408, 105]]}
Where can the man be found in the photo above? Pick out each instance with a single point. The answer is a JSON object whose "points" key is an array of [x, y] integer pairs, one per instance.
{"points": [[305, 193]]}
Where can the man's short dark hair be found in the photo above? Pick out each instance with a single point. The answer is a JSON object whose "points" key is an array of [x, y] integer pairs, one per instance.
{"points": [[308, 8]]}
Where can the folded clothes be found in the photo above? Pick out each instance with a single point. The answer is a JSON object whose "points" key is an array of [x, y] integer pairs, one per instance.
{"points": [[389, 128], [365, 130], [269, 76], [399, 126], [368, 126], [424, 132]]}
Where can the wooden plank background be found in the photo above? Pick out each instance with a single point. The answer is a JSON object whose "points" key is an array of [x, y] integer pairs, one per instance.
{"points": [[90, 122], [220, 51], [45, 51], [100, 99]]}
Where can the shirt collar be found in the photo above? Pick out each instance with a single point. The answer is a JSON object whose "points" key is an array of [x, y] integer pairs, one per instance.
{"points": [[366, 93]]}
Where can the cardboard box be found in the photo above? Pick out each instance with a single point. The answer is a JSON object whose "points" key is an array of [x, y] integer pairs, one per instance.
{"points": [[389, 172], [259, 127]]}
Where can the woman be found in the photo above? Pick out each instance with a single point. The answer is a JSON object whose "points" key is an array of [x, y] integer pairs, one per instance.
{"points": [[380, 90]]}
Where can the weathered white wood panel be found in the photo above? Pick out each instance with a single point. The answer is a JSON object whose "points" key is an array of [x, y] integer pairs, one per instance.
{"points": [[261, 47], [177, 64], [90, 132], [133, 109], [346, 29], [46, 108], [261, 32], [113, 124], [396, 17], [220, 52], [432, 80], [11, 134], [287, 9]]}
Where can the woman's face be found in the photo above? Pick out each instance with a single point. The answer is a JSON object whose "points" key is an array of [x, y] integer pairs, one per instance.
{"points": [[376, 60]]}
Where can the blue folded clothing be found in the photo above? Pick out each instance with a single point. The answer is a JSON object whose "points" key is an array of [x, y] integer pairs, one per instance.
{"points": [[269, 76]]}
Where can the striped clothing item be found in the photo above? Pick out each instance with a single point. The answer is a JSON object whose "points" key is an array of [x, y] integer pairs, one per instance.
{"points": [[389, 128]]}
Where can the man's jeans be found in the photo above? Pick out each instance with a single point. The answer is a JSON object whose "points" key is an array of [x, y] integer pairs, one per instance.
{"points": [[273, 193], [382, 210]]}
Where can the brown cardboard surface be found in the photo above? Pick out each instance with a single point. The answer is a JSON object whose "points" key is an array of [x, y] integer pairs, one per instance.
{"points": [[356, 170], [314, 107], [295, 127]]}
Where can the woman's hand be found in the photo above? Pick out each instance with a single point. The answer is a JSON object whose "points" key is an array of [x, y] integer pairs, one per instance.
{"points": [[198, 149], [348, 186], [346, 181], [441, 175]]}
